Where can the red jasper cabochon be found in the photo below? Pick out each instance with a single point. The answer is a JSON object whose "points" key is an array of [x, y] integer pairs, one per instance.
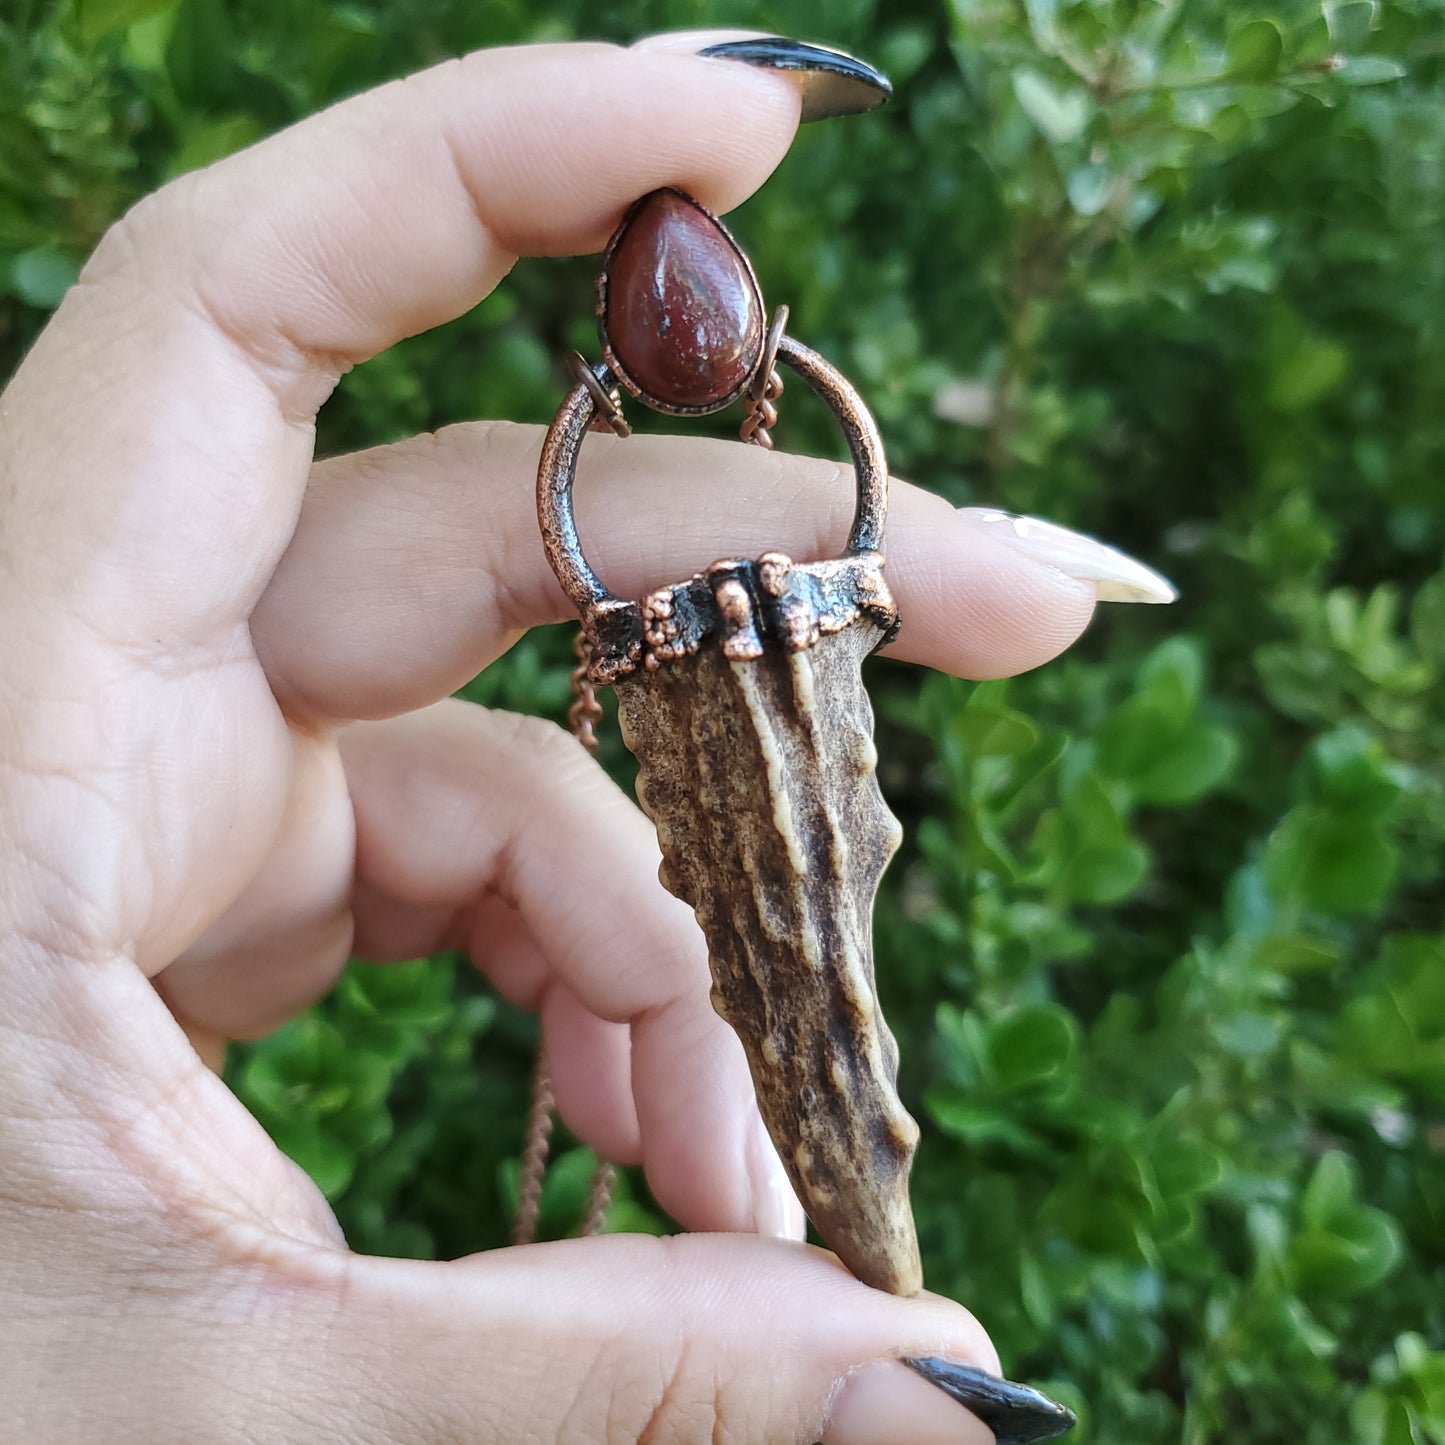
{"points": [[681, 316]]}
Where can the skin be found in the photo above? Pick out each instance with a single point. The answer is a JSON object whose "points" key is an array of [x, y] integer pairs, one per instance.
{"points": [[226, 762]]}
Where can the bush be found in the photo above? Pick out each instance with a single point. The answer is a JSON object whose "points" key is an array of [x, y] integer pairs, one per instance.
{"points": [[1163, 949]]}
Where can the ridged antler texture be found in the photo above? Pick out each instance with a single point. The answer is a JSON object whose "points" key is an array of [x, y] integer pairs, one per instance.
{"points": [[754, 736]]}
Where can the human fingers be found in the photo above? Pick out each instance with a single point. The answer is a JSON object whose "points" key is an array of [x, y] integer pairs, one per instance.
{"points": [[156, 442], [589, 1064], [413, 565], [279, 947], [685, 1339], [455, 805], [283, 941], [619, 1338], [231, 300]]}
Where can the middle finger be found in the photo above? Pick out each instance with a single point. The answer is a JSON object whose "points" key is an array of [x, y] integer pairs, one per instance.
{"points": [[414, 564]]}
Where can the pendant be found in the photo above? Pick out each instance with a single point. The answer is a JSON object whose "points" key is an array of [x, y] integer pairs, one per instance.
{"points": [[740, 693]]}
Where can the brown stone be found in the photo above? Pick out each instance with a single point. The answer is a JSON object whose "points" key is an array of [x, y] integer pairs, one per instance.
{"points": [[682, 319]]}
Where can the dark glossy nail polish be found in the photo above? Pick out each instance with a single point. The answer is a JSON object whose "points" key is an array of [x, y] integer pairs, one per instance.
{"points": [[833, 83], [1017, 1414]]}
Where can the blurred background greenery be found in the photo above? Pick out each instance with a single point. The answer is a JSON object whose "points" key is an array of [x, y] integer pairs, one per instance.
{"points": [[1163, 948]]}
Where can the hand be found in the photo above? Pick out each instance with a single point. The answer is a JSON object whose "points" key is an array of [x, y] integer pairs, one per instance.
{"points": [[196, 831]]}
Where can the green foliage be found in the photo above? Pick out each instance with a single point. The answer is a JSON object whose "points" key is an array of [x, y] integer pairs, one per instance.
{"points": [[1163, 949]]}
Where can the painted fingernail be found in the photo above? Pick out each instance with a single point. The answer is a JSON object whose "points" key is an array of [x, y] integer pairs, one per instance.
{"points": [[832, 82], [1017, 1414], [1116, 576], [887, 1404], [776, 1211]]}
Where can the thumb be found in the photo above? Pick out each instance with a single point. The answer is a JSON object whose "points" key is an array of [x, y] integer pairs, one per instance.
{"points": [[628, 1337]]}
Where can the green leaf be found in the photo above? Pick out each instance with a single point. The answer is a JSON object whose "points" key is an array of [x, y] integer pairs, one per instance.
{"points": [[986, 728], [962, 1043], [330, 1162], [1375, 1031], [1199, 760], [1330, 1191], [1043, 22], [1253, 52], [1360, 1249], [1090, 188], [627, 1216], [1033, 1045], [1397, 1029], [1105, 875], [1175, 669], [1415, 967], [41, 277], [1344, 1247], [1036, 1291], [1379, 1419], [1305, 372], [1296, 953], [1336, 863], [416, 994], [1427, 623], [96, 18], [1184, 1168], [1350, 24], [1103, 1203], [1248, 1033], [1060, 115], [1137, 735], [1370, 70], [981, 1124], [1349, 770], [214, 141], [564, 1190]]}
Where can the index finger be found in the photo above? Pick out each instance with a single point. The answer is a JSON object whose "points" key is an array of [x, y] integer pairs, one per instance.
{"points": [[216, 317]]}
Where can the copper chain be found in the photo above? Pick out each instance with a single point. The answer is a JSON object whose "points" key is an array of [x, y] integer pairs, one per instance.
{"points": [[585, 712], [762, 413], [766, 388], [584, 715], [534, 1154]]}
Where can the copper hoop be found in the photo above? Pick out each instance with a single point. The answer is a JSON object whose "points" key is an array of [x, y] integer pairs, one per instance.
{"points": [[557, 472]]}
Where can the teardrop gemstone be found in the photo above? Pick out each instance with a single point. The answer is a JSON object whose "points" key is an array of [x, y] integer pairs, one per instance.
{"points": [[680, 311]]}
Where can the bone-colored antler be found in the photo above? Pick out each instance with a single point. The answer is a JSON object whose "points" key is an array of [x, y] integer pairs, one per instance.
{"points": [[757, 766]]}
